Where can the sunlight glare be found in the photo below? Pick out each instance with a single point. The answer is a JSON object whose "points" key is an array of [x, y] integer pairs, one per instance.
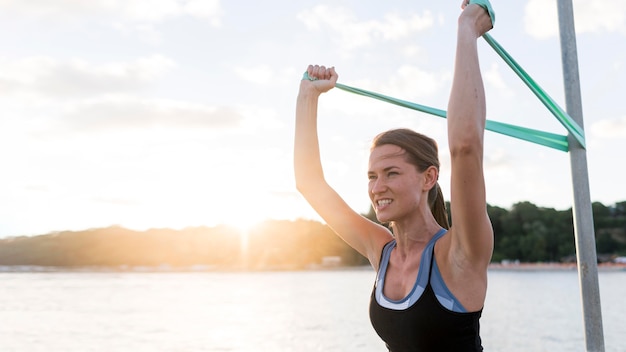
{"points": [[244, 219]]}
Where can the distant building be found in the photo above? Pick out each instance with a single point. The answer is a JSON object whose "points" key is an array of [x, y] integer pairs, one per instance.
{"points": [[331, 261], [510, 262]]}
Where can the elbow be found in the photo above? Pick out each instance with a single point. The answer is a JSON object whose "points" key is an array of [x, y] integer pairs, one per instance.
{"points": [[309, 185], [465, 138], [308, 174], [300, 176], [300, 182], [467, 147], [305, 189], [466, 141], [304, 184], [300, 186]]}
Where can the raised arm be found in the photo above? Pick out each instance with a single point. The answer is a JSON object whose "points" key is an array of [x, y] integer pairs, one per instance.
{"points": [[361, 234], [472, 234]]}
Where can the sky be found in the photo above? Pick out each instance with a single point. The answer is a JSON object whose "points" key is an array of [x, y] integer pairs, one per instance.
{"points": [[179, 113]]}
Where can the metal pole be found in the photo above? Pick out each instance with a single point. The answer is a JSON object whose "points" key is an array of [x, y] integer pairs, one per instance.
{"points": [[583, 215]]}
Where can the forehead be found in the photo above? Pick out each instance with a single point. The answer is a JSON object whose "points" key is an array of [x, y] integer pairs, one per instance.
{"points": [[387, 155]]}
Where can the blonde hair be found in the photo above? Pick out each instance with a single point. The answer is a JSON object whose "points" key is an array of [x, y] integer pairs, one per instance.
{"points": [[421, 151]]}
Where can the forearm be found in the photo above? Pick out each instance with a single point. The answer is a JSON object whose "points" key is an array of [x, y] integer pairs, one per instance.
{"points": [[307, 164], [466, 107]]}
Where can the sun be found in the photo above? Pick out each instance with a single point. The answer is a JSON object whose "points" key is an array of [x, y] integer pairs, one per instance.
{"points": [[244, 221], [241, 213]]}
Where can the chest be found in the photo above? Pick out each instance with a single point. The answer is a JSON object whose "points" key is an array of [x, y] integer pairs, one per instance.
{"points": [[401, 277]]}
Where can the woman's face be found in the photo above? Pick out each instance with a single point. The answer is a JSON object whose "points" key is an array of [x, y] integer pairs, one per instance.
{"points": [[395, 186]]}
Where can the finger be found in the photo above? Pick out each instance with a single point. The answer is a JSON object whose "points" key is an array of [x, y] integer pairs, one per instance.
{"points": [[317, 72], [333, 75], [322, 72], [329, 73]]}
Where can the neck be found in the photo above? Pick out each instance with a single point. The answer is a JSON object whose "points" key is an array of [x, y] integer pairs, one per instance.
{"points": [[412, 233]]}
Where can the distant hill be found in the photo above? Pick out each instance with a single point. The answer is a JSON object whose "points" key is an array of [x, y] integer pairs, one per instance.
{"points": [[525, 232]]}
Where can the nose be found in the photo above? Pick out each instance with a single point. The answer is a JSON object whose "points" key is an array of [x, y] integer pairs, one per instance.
{"points": [[377, 186]]}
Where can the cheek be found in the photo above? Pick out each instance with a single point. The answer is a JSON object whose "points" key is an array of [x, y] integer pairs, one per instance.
{"points": [[410, 189]]}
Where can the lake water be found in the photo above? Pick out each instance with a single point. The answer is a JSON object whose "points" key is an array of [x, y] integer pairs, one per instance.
{"points": [[276, 311]]}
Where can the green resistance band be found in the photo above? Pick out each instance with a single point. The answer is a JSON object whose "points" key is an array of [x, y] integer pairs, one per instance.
{"points": [[547, 139], [539, 137], [566, 120]]}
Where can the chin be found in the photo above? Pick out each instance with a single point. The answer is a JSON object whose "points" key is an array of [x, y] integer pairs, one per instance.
{"points": [[383, 219]]}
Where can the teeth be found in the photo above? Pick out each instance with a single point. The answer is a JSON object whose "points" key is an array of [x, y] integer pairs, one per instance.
{"points": [[384, 202]]}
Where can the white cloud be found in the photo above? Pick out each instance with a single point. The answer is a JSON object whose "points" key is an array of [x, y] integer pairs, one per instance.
{"points": [[493, 76], [597, 16], [131, 10], [140, 10], [499, 159], [350, 32], [60, 9], [208, 9], [540, 19], [78, 77], [115, 112], [266, 75], [145, 32], [413, 51], [259, 75], [418, 82], [610, 128], [600, 16], [395, 27]]}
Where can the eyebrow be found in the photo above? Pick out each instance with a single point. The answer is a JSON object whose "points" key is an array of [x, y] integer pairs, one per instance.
{"points": [[388, 168]]}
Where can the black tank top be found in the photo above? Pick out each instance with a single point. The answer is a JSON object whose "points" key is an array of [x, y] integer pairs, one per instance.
{"points": [[426, 325]]}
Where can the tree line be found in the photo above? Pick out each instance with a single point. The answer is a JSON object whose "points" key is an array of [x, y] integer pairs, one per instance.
{"points": [[525, 232], [532, 234]]}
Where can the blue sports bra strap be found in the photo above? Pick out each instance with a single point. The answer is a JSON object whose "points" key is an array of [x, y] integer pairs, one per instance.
{"points": [[384, 259], [430, 250]]}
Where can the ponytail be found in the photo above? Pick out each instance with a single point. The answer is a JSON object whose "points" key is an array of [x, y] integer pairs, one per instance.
{"points": [[438, 206]]}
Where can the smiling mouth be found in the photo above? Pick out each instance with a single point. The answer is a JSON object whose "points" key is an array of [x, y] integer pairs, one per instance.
{"points": [[383, 202]]}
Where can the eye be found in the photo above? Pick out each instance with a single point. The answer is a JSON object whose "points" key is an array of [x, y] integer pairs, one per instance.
{"points": [[371, 177], [392, 173]]}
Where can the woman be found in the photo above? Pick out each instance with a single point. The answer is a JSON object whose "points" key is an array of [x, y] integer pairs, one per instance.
{"points": [[432, 281]]}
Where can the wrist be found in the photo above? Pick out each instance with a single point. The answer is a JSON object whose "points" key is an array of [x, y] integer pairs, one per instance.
{"points": [[308, 92]]}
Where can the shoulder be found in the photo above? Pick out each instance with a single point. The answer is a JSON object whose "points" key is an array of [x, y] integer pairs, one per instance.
{"points": [[460, 251]]}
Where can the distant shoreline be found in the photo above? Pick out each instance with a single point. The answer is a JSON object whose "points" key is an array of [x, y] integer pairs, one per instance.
{"points": [[552, 267], [603, 267]]}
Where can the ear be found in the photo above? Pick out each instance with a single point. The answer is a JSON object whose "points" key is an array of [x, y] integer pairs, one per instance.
{"points": [[431, 176]]}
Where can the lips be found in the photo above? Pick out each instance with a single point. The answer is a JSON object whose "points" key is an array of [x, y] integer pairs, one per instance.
{"points": [[382, 203]]}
